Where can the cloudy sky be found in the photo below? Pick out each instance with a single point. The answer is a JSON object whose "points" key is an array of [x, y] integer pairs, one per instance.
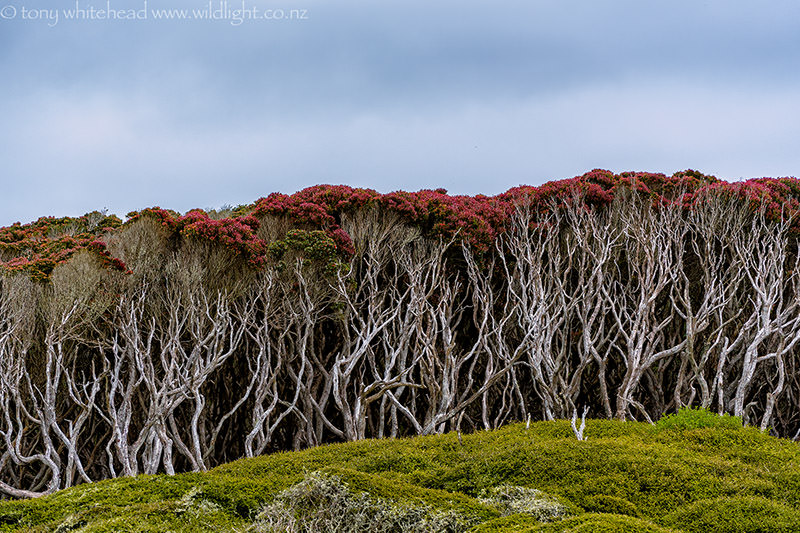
{"points": [[123, 113]]}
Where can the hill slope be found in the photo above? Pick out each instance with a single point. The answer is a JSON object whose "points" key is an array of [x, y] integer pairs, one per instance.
{"points": [[627, 476]]}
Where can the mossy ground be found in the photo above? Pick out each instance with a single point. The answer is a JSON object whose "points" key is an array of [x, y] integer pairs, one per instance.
{"points": [[626, 477]]}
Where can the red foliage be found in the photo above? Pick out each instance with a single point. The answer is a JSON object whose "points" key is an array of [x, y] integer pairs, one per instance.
{"points": [[477, 220], [237, 234], [36, 248]]}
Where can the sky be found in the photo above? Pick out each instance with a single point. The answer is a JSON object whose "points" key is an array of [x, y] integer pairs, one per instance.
{"points": [[108, 104]]}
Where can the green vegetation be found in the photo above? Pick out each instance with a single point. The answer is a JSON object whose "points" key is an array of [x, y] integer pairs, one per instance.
{"points": [[694, 418], [677, 475]]}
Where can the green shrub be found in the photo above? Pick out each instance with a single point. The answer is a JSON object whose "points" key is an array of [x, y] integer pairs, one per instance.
{"points": [[740, 514], [507, 524], [694, 418], [600, 523], [603, 503], [315, 247], [668, 478]]}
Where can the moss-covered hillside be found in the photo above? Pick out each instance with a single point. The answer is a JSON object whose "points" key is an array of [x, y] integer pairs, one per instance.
{"points": [[679, 475]]}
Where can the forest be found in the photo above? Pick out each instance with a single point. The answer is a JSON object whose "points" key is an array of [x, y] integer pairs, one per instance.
{"points": [[171, 343]]}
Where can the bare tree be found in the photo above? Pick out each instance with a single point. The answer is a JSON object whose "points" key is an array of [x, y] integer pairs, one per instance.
{"points": [[634, 309], [772, 329], [267, 364], [17, 320], [646, 276], [596, 243]]}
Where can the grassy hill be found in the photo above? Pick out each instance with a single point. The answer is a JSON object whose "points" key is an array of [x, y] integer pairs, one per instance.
{"points": [[692, 472]]}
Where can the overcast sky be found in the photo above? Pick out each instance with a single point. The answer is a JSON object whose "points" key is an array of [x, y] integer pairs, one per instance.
{"points": [[472, 96]]}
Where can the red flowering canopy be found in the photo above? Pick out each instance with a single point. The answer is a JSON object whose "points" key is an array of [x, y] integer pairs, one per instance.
{"points": [[36, 248]]}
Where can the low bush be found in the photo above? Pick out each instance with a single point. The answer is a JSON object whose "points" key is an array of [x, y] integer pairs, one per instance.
{"points": [[322, 503], [603, 503], [600, 523], [695, 418], [714, 480], [738, 514], [507, 524], [513, 499]]}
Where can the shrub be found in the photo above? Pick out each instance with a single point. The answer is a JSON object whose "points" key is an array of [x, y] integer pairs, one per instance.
{"points": [[315, 246], [603, 503], [741, 514], [600, 523], [507, 524], [322, 503], [513, 499], [694, 418]]}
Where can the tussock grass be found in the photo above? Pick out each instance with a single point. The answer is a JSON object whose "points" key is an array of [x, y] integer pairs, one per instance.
{"points": [[627, 476]]}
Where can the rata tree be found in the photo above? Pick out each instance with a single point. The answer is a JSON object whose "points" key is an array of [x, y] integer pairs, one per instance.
{"points": [[51, 380], [177, 342]]}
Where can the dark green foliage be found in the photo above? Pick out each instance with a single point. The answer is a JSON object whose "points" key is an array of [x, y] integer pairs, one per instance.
{"points": [[314, 246]]}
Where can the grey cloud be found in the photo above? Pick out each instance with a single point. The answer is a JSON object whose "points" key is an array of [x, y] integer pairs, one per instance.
{"points": [[473, 96]]}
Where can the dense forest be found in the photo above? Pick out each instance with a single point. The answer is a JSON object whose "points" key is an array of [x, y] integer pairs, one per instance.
{"points": [[170, 343]]}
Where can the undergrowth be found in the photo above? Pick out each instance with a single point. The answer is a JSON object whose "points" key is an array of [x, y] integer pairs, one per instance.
{"points": [[690, 472], [694, 418]]}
